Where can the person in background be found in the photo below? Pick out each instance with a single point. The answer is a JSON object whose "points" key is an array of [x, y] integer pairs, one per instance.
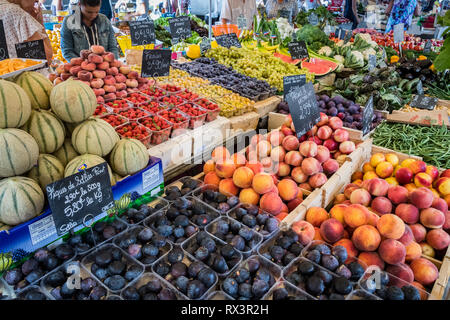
{"points": [[273, 7], [87, 27], [106, 9], [201, 9], [142, 8], [23, 21], [351, 13], [232, 9], [311, 4], [401, 11], [56, 6]]}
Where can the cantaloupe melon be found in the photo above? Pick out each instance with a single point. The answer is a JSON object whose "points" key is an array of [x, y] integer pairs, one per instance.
{"points": [[73, 101], [66, 153], [18, 152], [21, 199], [94, 136], [117, 177], [85, 161], [15, 106], [48, 169], [37, 87], [128, 157], [48, 131]]}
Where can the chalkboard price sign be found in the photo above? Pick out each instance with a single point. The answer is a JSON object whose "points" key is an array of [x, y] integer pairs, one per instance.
{"points": [[423, 102], [31, 50], [303, 108], [298, 50], [293, 82], [156, 63], [228, 40], [367, 116], [398, 32], [419, 88], [427, 47], [83, 194], [142, 32], [3, 46], [180, 28], [205, 45], [372, 62]]}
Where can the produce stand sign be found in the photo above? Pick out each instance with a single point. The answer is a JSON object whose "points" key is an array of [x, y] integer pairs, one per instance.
{"points": [[205, 45], [86, 193], [142, 32], [31, 50], [3, 46], [303, 107], [427, 47], [372, 62], [367, 116], [228, 40], [180, 28], [241, 22], [156, 63], [398, 33], [424, 102], [298, 50]]}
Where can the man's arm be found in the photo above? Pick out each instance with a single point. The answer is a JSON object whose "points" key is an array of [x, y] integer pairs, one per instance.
{"points": [[67, 43]]}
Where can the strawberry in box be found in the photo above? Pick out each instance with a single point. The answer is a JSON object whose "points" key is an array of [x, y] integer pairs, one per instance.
{"points": [[171, 100], [114, 119], [137, 99], [154, 92], [212, 108], [117, 105], [101, 109], [159, 127], [152, 106], [133, 113], [171, 88], [197, 115], [136, 131], [187, 95], [179, 121]]}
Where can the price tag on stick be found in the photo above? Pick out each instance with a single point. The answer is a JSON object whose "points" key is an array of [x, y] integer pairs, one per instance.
{"points": [[86, 193], [228, 40], [298, 50], [3, 46], [303, 108], [367, 116], [427, 47], [156, 63], [399, 32], [142, 32], [31, 50], [180, 28]]}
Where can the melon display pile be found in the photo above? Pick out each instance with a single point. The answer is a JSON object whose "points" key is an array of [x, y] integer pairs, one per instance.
{"points": [[108, 77], [47, 133]]}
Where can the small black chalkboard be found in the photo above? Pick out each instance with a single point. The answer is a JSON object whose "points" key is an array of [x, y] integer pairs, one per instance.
{"points": [[228, 40], [180, 28], [423, 102], [31, 50], [156, 63], [303, 108], [372, 62], [427, 47], [367, 116], [298, 50], [419, 88], [3, 46], [86, 193], [292, 82], [205, 45], [142, 32]]}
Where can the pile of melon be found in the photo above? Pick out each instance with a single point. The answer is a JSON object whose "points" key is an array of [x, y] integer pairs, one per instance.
{"points": [[36, 147]]}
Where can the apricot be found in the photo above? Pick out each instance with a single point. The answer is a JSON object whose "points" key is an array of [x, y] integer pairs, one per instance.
{"points": [[262, 183], [348, 189], [360, 196], [339, 199], [392, 251], [249, 196], [404, 175], [413, 251], [290, 143], [330, 166], [275, 137], [373, 219], [419, 232], [371, 259], [352, 252], [308, 149], [402, 271], [447, 199], [209, 166], [338, 211], [277, 154], [311, 166], [331, 230], [323, 154], [390, 226], [410, 187], [225, 169], [287, 189], [367, 167], [384, 169], [398, 194], [432, 218], [293, 158], [304, 230], [317, 235], [377, 187], [417, 166], [406, 163], [238, 160], [438, 239], [220, 154], [317, 180], [358, 175], [423, 180], [243, 177], [271, 203], [212, 178], [392, 181], [226, 186], [283, 169], [356, 215], [392, 159], [298, 175], [280, 217], [358, 183], [381, 205], [425, 272], [433, 172], [256, 167], [422, 198], [443, 186], [366, 238], [316, 216], [263, 149], [407, 236], [370, 175], [284, 208], [376, 159], [293, 204], [305, 186]]}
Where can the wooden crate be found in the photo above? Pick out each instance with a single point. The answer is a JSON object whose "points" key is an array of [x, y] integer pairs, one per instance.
{"points": [[423, 117], [248, 121], [265, 106]]}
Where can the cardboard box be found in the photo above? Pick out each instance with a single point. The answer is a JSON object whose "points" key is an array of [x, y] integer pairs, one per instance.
{"points": [[174, 152]]}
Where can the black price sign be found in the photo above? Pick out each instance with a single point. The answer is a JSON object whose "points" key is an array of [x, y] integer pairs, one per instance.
{"points": [[86, 193], [156, 63], [427, 47], [367, 116], [180, 28], [3, 46], [419, 88], [293, 82], [228, 40], [31, 50], [142, 32], [303, 107], [205, 45], [344, 34], [423, 102], [298, 50], [372, 62]]}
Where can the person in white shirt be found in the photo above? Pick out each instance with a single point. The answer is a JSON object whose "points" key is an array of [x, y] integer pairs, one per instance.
{"points": [[232, 9]]}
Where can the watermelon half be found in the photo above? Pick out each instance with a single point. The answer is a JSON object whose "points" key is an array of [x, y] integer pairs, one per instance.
{"points": [[286, 58], [319, 67]]}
